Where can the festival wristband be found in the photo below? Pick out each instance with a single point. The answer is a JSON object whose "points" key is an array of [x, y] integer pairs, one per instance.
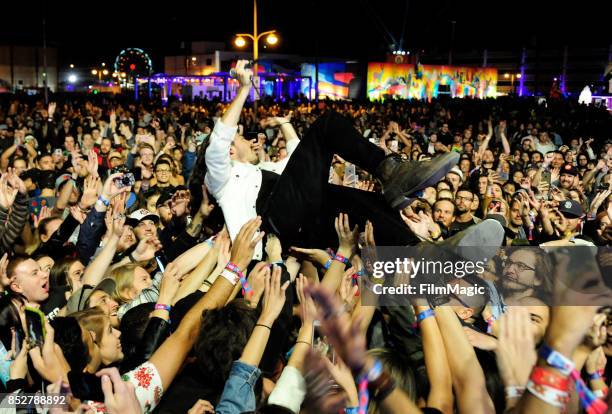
{"points": [[514, 392], [543, 376], [327, 264], [351, 410], [104, 201], [556, 360], [549, 395], [159, 306], [372, 375], [595, 376], [230, 276], [424, 315], [246, 289], [341, 259]]}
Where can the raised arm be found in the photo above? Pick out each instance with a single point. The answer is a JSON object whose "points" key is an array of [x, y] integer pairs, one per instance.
{"points": [[438, 371], [169, 358], [468, 377], [217, 154]]}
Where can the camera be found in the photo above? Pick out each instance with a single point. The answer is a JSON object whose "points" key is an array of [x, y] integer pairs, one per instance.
{"points": [[128, 178]]}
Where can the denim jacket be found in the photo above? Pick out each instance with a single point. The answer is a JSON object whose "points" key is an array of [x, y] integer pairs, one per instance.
{"points": [[238, 395]]}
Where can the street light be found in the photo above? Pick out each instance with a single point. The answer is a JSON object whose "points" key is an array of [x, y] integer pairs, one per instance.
{"points": [[272, 39], [240, 41]]}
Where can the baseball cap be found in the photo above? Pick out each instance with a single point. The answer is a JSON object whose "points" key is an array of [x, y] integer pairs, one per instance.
{"points": [[456, 170], [61, 180], [163, 198], [79, 299], [569, 169], [570, 208], [140, 215]]}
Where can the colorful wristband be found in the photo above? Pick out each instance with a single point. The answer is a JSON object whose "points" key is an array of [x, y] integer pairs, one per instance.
{"points": [[543, 376], [556, 360], [159, 306], [595, 376], [424, 315], [104, 201], [246, 289], [549, 395], [351, 410], [327, 264], [341, 259]]}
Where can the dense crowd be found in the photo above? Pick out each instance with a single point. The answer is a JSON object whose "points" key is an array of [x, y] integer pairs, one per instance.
{"points": [[205, 257]]}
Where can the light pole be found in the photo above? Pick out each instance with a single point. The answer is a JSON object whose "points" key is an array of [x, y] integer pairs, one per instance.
{"points": [[240, 41]]}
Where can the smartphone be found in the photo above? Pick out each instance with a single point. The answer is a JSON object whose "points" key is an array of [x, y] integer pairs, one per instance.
{"points": [[5, 364], [546, 176], [320, 344], [35, 323]]}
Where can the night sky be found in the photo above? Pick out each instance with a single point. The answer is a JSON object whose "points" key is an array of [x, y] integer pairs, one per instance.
{"points": [[87, 33]]}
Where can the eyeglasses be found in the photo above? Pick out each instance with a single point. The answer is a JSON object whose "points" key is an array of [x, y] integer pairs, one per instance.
{"points": [[520, 266]]}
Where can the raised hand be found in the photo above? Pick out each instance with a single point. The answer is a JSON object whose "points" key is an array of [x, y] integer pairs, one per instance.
{"points": [[16, 182], [202, 407], [45, 212], [146, 249], [118, 221], [515, 352], [342, 333], [314, 255], [274, 297], [90, 192], [347, 238], [206, 207], [273, 248], [245, 242], [92, 163], [7, 193], [244, 75], [257, 280], [49, 361], [170, 283], [308, 310], [3, 266], [78, 214], [119, 395]]}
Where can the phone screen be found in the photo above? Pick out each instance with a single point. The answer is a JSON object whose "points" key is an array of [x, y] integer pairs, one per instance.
{"points": [[35, 322]]}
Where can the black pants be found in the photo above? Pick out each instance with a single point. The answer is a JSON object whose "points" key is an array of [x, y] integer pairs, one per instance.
{"points": [[300, 205]]}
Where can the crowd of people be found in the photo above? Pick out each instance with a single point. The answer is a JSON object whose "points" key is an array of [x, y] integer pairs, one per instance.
{"points": [[207, 257]]}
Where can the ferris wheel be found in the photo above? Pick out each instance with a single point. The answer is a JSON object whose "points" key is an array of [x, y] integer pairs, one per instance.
{"points": [[132, 62]]}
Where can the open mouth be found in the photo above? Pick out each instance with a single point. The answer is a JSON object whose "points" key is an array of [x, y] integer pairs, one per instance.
{"points": [[45, 286]]}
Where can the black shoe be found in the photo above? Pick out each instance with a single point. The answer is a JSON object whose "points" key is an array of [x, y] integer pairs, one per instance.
{"points": [[400, 179]]}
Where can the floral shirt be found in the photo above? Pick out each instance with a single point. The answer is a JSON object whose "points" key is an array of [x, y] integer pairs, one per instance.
{"points": [[147, 384]]}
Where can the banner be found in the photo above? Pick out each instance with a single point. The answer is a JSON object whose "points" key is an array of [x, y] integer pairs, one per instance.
{"points": [[424, 82]]}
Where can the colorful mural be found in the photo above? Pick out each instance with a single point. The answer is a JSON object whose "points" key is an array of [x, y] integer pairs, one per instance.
{"points": [[333, 80], [407, 81]]}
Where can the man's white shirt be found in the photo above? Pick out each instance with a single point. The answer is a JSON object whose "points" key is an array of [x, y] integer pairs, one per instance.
{"points": [[235, 185]]}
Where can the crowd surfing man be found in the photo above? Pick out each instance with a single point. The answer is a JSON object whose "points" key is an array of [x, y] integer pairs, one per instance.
{"points": [[144, 235]]}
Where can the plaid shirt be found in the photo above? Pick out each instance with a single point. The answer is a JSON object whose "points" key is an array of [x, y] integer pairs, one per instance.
{"points": [[150, 294]]}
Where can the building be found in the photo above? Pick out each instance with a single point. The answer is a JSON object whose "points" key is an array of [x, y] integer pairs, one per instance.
{"points": [[571, 67], [22, 67]]}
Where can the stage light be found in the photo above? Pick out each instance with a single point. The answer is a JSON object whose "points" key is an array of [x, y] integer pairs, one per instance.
{"points": [[518, 75], [105, 72], [506, 75], [394, 52], [72, 78], [72, 66], [103, 64], [94, 72], [555, 79], [114, 74], [240, 42], [272, 39], [123, 75]]}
